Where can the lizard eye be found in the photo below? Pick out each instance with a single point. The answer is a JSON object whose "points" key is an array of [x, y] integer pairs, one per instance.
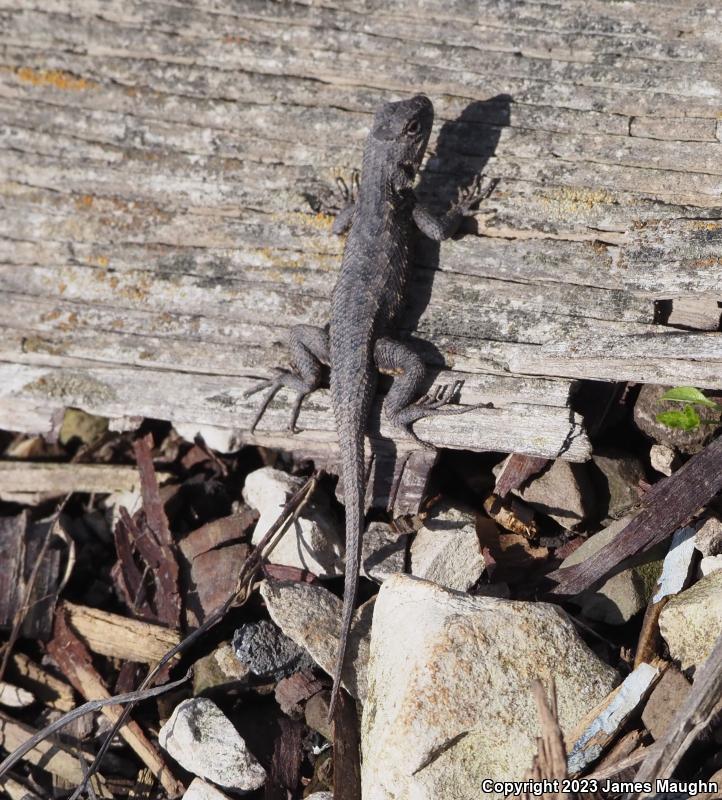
{"points": [[413, 127]]}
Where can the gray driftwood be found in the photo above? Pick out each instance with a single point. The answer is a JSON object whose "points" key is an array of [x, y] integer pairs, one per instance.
{"points": [[158, 242]]}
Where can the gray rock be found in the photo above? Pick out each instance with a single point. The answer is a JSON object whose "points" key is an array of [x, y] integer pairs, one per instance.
{"points": [[664, 459], [320, 796], [383, 551], [222, 440], [625, 594], [200, 790], [314, 542], [649, 404], [316, 713], [311, 616], [202, 739], [564, 492], [446, 550], [450, 702], [708, 539], [618, 478], [692, 620], [268, 653]]}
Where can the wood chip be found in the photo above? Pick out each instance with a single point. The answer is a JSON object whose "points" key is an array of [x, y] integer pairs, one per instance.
{"points": [[56, 480], [120, 637], [52, 756], [48, 689], [517, 469]]}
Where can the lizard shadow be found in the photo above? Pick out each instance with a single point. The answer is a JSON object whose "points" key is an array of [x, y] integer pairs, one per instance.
{"points": [[460, 153]]}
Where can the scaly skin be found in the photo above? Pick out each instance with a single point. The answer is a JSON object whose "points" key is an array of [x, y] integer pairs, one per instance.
{"points": [[366, 299]]}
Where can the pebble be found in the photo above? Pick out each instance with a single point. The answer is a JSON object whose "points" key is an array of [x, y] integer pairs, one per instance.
{"points": [[266, 652], [311, 616], [692, 620], [314, 542], [201, 738], [446, 550]]}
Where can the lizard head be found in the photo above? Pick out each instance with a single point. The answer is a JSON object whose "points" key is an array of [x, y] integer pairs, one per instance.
{"points": [[402, 129]]}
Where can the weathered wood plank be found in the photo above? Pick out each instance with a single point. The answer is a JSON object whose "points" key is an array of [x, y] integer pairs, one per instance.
{"points": [[157, 243]]}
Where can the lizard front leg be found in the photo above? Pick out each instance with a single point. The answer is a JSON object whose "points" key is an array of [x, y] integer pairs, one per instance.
{"points": [[402, 405], [440, 228], [309, 351]]}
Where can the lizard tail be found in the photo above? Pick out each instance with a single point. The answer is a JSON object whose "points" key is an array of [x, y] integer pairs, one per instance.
{"points": [[354, 482]]}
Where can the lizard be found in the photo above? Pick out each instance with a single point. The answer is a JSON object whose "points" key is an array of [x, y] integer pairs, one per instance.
{"points": [[380, 216]]}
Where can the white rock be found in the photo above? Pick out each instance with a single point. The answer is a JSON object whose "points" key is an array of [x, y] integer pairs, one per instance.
{"points": [[710, 564], [446, 550], [449, 698], [320, 796], [383, 552], [692, 620], [200, 790], [222, 440], [314, 541], [202, 739], [617, 600], [677, 565], [662, 458], [311, 616]]}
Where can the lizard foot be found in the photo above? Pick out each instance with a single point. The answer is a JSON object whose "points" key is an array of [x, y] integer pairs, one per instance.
{"points": [[280, 380], [476, 192]]}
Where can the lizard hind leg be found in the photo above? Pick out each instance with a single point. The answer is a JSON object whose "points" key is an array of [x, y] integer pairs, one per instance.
{"points": [[309, 351], [402, 405]]}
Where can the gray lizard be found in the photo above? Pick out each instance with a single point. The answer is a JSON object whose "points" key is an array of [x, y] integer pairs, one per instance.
{"points": [[366, 300]]}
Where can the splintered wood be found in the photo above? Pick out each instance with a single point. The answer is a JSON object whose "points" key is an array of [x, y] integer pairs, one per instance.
{"points": [[156, 273]]}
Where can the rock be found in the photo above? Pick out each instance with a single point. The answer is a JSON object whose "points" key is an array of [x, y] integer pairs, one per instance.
{"points": [[710, 564], [222, 440], [664, 459], [446, 550], [268, 653], [219, 668], [618, 479], [320, 796], [708, 539], [314, 542], [649, 404], [564, 492], [449, 698], [383, 551], [625, 594], [311, 616], [202, 740], [200, 790], [664, 702], [692, 620]]}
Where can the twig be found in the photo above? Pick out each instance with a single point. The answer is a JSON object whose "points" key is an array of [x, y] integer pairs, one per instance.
{"points": [[81, 711], [250, 567]]}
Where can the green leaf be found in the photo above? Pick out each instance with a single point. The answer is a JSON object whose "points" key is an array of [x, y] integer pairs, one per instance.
{"points": [[686, 420], [688, 394]]}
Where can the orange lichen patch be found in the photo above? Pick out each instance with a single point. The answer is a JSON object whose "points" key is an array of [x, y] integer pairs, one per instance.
{"points": [[62, 287], [54, 77], [70, 323], [99, 261], [49, 316], [86, 201]]}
